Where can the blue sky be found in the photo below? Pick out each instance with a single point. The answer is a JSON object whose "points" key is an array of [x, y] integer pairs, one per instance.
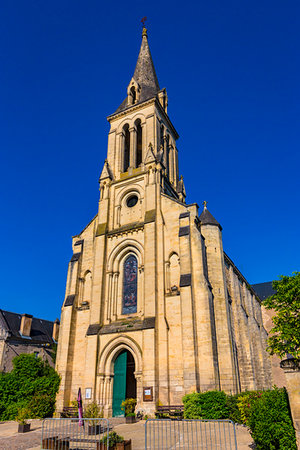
{"points": [[231, 70]]}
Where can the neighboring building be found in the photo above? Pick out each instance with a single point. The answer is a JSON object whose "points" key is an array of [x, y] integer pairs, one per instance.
{"points": [[154, 308], [265, 290], [23, 333]]}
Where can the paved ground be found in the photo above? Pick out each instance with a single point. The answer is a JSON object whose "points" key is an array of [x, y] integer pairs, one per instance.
{"points": [[10, 439]]}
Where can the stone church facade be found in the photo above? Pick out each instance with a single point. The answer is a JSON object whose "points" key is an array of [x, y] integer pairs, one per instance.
{"points": [[154, 308]]}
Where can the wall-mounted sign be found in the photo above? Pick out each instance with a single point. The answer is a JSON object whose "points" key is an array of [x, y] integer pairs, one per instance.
{"points": [[88, 393], [148, 394]]}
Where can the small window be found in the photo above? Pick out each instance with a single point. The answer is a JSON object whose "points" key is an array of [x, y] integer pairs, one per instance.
{"points": [[133, 94], [132, 201]]}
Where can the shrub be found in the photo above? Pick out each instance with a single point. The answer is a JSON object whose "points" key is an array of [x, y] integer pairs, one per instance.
{"points": [[192, 406], [92, 411], [245, 403], [234, 413], [270, 421], [128, 406], [30, 377], [206, 405], [23, 415], [41, 406], [114, 439]]}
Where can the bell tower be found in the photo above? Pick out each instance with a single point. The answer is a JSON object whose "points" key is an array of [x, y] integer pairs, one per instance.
{"points": [[141, 130]]}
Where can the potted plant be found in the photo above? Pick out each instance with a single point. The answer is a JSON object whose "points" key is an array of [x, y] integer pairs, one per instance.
{"points": [[128, 406], [115, 442], [23, 415], [93, 411]]}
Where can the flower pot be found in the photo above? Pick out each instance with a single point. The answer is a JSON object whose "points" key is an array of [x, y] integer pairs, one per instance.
{"points": [[130, 419], [62, 444], [49, 442], [23, 427], [125, 445], [94, 429]]}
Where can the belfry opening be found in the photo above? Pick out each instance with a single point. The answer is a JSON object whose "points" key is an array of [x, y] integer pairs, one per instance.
{"points": [[124, 385]]}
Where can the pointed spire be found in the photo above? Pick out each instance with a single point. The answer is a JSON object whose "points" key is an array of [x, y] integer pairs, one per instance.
{"points": [[181, 190], [106, 172], [144, 73], [144, 78], [206, 218]]}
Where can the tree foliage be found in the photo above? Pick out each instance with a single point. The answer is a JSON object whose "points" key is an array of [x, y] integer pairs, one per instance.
{"points": [[32, 383], [285, 335]]}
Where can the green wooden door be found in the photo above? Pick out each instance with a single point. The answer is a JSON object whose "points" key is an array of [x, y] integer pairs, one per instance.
{"points": [[119, 388]]}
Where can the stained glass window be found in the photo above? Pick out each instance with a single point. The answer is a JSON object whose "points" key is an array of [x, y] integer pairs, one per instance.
{"points": [[129, 304]]}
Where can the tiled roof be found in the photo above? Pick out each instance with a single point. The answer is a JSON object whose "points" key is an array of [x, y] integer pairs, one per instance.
{"points": [[206, 218], [41, 330], [264, 290]]}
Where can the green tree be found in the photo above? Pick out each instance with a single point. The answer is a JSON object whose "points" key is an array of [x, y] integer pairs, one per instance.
{"points": [[32, 383], [285, 335]]}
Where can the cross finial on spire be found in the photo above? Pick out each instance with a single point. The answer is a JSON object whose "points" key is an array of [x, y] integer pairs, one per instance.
{"points": [[144, 28], [204, 204]]}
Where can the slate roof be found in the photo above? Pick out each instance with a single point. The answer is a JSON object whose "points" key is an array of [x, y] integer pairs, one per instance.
{"points": [[41, 330], [206, 218], [144, 75], [264, 290]]}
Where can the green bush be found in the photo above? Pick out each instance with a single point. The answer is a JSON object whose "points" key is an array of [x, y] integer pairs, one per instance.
{"points": [[234, 413], [114, 439], [266, 413], [206, 405], [92, 411], [270, 422], [128, 406], [245, 403], [30, 377], [41, 406]]}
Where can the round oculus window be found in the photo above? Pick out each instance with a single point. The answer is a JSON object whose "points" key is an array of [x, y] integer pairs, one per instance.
{"points": [[132, 201]]}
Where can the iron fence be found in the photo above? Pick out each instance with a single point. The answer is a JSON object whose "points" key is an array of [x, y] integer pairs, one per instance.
{"points": [[166, 434], [75, 434]]}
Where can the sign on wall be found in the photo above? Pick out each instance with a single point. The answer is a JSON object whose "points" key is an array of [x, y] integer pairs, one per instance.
{"points": [[148, 394], [88, 393]]}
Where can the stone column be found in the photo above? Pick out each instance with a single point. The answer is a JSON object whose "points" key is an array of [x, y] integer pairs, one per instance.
{"points": [[121, 150], [291, 369], [115, 296], [109, 296], [139, 389]]}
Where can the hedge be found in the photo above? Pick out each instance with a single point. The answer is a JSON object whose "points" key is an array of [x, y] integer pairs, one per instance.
{"points": [[266, 413]]}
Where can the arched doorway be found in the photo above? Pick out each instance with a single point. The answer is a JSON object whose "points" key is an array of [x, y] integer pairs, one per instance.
{"points": [[124, 381]]}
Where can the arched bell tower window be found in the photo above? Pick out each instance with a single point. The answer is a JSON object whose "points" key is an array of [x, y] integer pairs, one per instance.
{"points": [[129, 302], [126, 147], [139, 141]]}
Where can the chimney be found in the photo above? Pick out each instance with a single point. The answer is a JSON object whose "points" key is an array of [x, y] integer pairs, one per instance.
{"points": [[55, 330], [25, 327]]}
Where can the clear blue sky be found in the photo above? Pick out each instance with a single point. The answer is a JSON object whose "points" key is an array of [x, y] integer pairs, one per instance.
{"points": [[231, 70]]}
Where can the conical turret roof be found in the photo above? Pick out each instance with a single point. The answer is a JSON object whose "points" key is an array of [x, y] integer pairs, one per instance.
{"points": [[206, 218], [144, 74]]}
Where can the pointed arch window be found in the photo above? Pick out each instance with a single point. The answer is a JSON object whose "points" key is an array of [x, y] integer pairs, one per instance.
{"points": [[129, 302], [139, 141], [126, 147]]}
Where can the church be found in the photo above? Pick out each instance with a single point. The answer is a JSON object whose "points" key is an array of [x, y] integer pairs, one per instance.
{"points": [[154, 307]]}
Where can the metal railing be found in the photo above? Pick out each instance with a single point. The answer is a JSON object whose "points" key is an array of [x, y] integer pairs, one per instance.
{"points": [[166, 434], [74, 433]]}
